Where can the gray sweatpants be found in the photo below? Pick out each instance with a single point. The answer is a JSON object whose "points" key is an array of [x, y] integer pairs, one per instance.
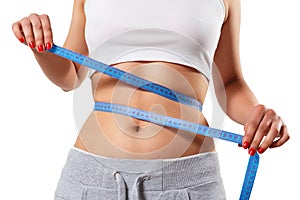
{"points": [[86, 176]]}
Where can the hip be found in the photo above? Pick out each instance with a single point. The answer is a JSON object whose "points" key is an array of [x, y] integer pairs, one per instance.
{"points": [[192, 177]]}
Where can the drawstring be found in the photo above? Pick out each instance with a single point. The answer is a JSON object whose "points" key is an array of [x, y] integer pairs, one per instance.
{"points": [[135, 188], [121, 186]]}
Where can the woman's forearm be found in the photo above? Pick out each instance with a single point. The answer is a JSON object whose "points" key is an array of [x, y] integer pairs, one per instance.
{"points": [[240, 101], [60, 71]]}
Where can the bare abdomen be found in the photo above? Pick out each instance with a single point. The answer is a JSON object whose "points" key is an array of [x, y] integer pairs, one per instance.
{"points": [[116, 135]]}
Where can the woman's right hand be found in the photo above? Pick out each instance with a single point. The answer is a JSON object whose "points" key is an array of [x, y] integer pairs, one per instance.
{"points": [[35, 31]]}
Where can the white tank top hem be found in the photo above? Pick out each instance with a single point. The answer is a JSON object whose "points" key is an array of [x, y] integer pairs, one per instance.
{"points": [[183, 32]]}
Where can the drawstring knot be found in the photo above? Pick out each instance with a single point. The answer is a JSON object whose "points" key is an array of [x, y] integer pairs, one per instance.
{"points": [[135, 193]]}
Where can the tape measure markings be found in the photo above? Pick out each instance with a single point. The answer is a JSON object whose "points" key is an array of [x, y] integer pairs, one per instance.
{"points": [[168, 121], [190, 127], [157, 118], [127, 77], [249, 177]]}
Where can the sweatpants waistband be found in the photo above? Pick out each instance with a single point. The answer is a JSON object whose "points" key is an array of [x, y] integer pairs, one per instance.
{"points": [[164, 174]]}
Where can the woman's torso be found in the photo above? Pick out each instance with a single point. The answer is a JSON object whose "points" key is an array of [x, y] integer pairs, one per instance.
{"points": [[116, 135]]}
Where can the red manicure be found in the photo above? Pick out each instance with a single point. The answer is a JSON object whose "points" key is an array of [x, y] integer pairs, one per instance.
{"points": [[246, 145], [31, 45], [261, 150], [40, 48], [251, 152], [48, 45], [21, 39]]}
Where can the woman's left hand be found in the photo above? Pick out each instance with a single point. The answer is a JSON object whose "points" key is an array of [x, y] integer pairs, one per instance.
{"points": [[264, 129]]}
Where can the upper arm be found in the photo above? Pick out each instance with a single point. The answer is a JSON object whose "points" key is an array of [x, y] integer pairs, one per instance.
{"points": [[227, 56], [75, 40]]}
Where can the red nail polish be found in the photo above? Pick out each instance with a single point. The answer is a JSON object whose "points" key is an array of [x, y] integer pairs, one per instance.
{"points": [[40, 48], [48, 45], [251, 152], [31, 45], [21, 39], [246, 145], [261, 150]]}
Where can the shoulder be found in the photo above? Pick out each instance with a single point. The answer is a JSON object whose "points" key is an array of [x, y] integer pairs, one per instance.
{"points": [[231, 6], [225, 3]]}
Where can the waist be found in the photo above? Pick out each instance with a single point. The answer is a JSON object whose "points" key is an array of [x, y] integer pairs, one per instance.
{"points": [[179, 78], [127, 135], [166, 174], [176, 77]]}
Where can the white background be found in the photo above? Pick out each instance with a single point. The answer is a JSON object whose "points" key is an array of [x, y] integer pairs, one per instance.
{"points": [[37, 121]]}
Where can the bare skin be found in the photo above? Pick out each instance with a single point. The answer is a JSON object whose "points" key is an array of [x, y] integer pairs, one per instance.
{"points": [[120, 136]]}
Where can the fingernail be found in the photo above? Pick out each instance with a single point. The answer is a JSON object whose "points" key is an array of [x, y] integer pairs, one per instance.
{"points": [[40, 48], [48, 45], [251, 152], [261, 150], [21, 39], [246, 145], [31, 45]]}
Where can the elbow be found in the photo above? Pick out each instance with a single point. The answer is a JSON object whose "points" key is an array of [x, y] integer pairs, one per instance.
{"points": [[69, 85], [234, 81], [66, 89], [224, 91]]}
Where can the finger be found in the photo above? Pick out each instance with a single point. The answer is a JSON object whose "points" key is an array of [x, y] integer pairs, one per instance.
{"points": [[17, 30], [252, 125], [37, 29], [264, 126], [47, 31], [271, 135], [27, 32], [284, 137]]}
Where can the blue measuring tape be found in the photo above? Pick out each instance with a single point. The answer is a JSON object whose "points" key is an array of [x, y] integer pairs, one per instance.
{"points": [[157, 118], [126, 77]]}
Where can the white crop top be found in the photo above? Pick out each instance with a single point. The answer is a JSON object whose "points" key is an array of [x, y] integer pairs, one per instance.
{"points": [[178, 31]]}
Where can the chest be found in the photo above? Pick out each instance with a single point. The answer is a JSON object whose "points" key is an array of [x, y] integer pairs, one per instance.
{"points": [[199, 20]]}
